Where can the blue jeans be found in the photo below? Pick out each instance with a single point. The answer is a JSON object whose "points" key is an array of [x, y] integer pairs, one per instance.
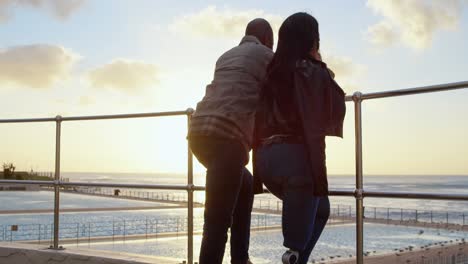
{"points": [[228, 199], [285, 171]]}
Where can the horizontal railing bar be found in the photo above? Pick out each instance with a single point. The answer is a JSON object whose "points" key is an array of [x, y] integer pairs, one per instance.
{"points": [[123, 185], [422, 196], [89, 184], [419, 90], [365, 96], [135, 186], [124, 116], [96, 117], [28, 120], [27, 182], [401, 195]]}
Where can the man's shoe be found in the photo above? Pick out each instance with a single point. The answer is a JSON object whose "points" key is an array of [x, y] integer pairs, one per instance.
{"points": [[290, 257]]}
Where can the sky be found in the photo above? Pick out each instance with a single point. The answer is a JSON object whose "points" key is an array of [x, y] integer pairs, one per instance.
{"points": [[88, 57]]}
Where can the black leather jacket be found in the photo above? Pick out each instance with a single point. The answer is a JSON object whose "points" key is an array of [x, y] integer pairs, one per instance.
{"points": [[320, 109]]}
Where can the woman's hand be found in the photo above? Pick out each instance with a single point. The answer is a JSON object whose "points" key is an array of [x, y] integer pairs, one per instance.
{"points": [[316, 55]]}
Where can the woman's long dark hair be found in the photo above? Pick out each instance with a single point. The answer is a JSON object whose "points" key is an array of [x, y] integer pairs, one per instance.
{"points": [[298, 34]]}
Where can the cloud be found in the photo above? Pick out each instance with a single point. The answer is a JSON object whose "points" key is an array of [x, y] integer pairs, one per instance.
{"points": [[124, 75], [347, 73], [413, 22], [212, 22], [61, 9], [35, 66], [382, 34]]}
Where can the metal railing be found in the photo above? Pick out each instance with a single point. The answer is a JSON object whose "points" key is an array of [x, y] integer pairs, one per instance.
{"points": [[359, 192]]}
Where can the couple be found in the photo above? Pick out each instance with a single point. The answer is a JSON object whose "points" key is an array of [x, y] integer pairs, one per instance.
{"points": [[282, 105]]}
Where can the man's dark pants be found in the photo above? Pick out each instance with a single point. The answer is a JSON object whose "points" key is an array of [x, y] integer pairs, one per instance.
{"points": [[228, 198]]}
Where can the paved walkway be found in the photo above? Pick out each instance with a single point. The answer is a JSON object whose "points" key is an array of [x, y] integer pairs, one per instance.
{"points": [[446, 252]]}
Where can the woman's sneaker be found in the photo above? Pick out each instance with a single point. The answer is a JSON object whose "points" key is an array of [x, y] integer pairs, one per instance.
{"points": [[290, 257]]}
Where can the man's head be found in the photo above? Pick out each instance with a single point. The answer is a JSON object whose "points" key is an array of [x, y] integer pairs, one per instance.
{"points": [[261, 29]]}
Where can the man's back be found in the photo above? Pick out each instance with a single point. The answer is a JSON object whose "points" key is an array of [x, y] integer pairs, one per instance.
{"points": [[233, 93]]}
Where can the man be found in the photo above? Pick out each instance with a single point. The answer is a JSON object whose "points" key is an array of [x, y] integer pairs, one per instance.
{"points": [[220, 136]]}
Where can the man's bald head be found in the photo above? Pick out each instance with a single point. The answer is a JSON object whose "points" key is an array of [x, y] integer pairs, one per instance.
{"points": [[261, 29]]}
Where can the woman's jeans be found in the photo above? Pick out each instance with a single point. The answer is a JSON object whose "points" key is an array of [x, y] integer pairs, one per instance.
{"points": [[285, 171], [228, 199]]}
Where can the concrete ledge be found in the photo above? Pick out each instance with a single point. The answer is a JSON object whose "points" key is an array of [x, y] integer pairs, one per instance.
{"points": [[35, 254]]}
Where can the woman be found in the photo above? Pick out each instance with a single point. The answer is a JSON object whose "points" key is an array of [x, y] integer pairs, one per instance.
{"points": [[299, 105]]}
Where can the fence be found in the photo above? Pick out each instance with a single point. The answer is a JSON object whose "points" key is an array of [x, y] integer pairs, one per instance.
{"points": [[121, 229], [272, 204], [359, 192]]}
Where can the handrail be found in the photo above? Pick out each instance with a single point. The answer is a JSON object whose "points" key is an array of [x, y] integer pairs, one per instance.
{"points": [[182, 187], [359, 193], [418, 90], [98, 117]]}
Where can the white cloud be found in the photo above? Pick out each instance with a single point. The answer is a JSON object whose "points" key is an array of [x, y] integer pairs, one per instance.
{"points": [[212, 22], [382, 34], [124, 75], [413, 22], [61, 9], [35, 66]]}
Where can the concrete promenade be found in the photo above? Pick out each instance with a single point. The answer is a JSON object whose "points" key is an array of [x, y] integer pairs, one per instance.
{"points": [[447, 253]]}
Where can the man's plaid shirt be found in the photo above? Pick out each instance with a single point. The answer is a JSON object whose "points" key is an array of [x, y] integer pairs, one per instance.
{"points": [[217, 127]]}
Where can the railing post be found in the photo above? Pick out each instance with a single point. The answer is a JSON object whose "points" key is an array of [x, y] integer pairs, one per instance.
{"points": [[357, 98], [146, 228], [189, 194], [58, 129], [77, 234], [447, 219]]}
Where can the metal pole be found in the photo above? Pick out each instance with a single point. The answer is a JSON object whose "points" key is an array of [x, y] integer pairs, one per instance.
{"points": [[77, 234], [89, 234], [357, 98], [189, 195], [146, 228], [58, 122]]}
